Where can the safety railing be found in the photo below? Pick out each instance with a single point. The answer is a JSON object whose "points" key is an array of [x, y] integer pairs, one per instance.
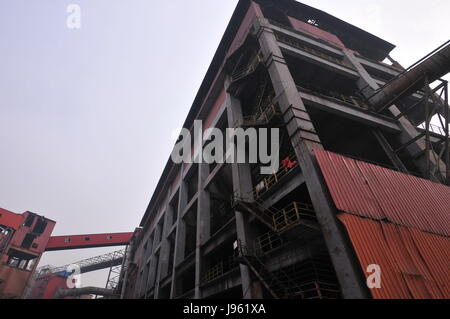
{"points": [[220, 269], [292, 215], [263, 116], [434, 129], [299, 45], [308, 35], [268, 242], [267, 182], [248, 69], [318, 290], [334, 96], [312, 279]]}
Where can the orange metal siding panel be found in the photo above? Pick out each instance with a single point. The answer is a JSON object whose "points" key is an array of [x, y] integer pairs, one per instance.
{"points": [[414, 264], [10, 219], [372, 191]]}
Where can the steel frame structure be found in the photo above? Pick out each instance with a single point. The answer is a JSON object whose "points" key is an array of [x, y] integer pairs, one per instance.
{"points": [[181, 207]]}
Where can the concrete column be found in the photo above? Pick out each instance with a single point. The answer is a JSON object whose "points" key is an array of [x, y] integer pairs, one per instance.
{"points": [[242, 187], [203, 225], [153, 261], [367, 85], [180, 239], [147, 254], [165, 249], [304, 139], [165, 246]]}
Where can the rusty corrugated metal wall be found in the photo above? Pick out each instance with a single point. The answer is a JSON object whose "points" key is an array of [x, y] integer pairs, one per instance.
{"points": [[397, 221], [414, 264], [376, 192]]}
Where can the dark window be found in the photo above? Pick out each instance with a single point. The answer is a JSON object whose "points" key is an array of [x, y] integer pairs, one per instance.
{"points": [[29, 221], [87, 238], [40, 226], [28, 240]]}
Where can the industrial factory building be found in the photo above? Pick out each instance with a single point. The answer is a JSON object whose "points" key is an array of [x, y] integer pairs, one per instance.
{"points": [[358, 207], [362, 188]]}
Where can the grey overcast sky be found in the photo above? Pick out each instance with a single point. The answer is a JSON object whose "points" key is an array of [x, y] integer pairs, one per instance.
{"points": [[86, 115]]}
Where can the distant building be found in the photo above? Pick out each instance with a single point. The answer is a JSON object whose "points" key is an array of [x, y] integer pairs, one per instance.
{"points": [[23, 239]]}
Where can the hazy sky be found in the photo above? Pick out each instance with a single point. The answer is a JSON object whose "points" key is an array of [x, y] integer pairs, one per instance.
{"points": [[86, 115]]}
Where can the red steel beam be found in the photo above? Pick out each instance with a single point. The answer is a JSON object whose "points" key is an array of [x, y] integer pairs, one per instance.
{"points": [[88, 241]]}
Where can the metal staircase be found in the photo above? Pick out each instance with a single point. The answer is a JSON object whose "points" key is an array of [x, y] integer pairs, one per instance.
{"points": [[312, 279], [272, 283]]}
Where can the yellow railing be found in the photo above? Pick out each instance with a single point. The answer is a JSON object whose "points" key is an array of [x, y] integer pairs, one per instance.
{"points": [[267, 242], [266, 183], [220, 269], [263, 115], [292, 215]]}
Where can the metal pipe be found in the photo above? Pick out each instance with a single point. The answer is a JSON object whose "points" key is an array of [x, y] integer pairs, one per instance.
{"points": [[75, 292], [433, 67]]}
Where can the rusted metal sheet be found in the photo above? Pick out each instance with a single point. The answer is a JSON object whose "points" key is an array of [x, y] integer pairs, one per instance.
{"points": [[13, 282], [10, 219], [372, 191], [413, 264]]}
